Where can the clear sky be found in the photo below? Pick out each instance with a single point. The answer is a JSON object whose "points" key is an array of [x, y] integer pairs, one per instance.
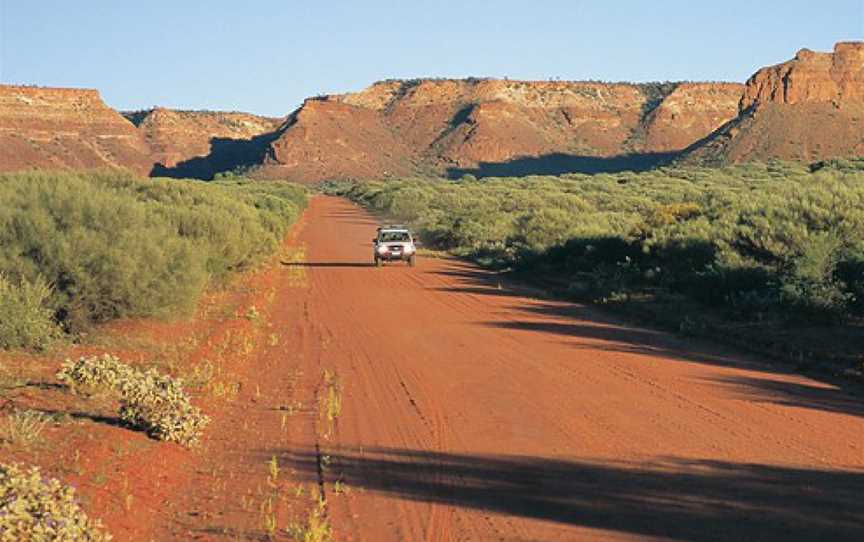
{"points": [[265, 56]]}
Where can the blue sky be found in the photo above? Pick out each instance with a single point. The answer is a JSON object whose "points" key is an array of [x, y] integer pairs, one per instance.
{"points": [[265, 56]]}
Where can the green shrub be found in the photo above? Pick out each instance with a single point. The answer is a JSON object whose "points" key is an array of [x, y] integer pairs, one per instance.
{"points": [[149, 401], [114, 245], [810, 283], [33, 507], [26, 319], [757, 238], [850, 271]]}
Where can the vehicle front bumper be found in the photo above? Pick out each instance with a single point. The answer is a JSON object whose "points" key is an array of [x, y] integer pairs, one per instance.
{"points": [[392, 256]]}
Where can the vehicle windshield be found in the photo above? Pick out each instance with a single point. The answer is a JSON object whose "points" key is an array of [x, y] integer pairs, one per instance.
{"points": [[391, 236]]}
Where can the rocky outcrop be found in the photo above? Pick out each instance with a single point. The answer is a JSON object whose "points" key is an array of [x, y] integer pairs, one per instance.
{"points": [[65, 128], [458, 126], [809, 108], [811, 77]]}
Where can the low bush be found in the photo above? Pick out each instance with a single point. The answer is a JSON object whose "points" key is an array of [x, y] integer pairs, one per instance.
{"points": [[22, 428], [149, 401], [33, 507], [26, 318], [115, 245]]}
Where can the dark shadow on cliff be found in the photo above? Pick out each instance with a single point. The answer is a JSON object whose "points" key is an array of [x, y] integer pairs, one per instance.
{"points": [[225, 155], [559, 164], [674, 498], [710, 151]]}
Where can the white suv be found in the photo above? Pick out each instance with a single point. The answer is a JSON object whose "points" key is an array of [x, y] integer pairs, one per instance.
{"points": [[394, 243]]}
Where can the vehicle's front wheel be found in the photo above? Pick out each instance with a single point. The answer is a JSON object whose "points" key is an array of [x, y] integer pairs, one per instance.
{"points": [[411, 260], [377, 261]]}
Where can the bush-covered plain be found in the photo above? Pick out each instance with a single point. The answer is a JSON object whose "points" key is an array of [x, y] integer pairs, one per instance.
{"points": [[779, 239], [113, 245]]}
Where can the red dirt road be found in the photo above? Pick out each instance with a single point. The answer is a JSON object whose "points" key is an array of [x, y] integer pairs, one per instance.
{"points": [[472, 412]]}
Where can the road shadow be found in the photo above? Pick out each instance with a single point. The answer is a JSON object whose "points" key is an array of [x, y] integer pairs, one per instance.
{"points": [[587, 327], [678, 499], [327, 264], [825, 397]]}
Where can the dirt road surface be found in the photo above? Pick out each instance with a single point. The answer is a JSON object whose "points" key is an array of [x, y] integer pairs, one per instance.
{"points": [[473, 411]]}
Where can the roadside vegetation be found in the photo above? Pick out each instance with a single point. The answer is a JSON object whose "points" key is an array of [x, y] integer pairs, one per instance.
{"points": [[154, 403], [78, 248], [329, 402], [774, 244]]}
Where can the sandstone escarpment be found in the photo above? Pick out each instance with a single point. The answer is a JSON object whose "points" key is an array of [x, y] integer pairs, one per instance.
{"points": [[65, 128], [487, 126], [809, 108]]}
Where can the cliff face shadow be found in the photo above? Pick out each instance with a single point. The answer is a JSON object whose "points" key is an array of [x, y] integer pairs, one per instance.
{"points": [[559, 164], [225, 155], [674, 498]]}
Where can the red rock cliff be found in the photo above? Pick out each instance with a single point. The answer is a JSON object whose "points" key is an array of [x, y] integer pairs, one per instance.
{"points": [[811, 77], [65, 128], [809, 108]]}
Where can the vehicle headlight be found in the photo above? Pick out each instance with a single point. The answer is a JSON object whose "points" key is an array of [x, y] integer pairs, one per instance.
{"points": [[382, 250]]}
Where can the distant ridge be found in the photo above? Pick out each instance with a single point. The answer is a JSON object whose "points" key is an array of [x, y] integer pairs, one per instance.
{"points": [[454, 127], [809, 108]]}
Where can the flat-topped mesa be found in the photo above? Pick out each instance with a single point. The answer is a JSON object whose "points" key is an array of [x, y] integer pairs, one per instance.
{"points": [[444, 125], [811, 77], [65, 128], [542, 94]]}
